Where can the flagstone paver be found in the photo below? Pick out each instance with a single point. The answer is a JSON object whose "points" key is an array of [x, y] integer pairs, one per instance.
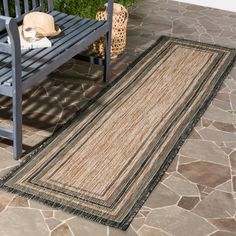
{"points": [[137, 223], [204, 150], [22, 221], [18, 201], [205, 173], [47, 214], [129, 232], [61, 215], [224, 127], [228, 224], [226, 187], [188, 203], [5, 199], [234, 183], [6, 160], [52, 223], [149, 231], [233, 100], [37, 205], [197, 196], [62, 230], [222, 233], [232, 157], [85, 227], [181, 187], [185, 160], [215, 113], [217, 204], [179, 222], [215, 135], [162, 196]]}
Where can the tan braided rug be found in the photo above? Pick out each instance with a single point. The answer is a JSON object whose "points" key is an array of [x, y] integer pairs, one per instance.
{"points": [[104, 164]]}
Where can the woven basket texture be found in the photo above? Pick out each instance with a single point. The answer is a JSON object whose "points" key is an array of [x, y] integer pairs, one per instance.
{"points": [[119, 31]]}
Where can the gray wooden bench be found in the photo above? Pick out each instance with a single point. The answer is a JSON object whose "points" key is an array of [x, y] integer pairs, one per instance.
{"points": [[20, 70]]}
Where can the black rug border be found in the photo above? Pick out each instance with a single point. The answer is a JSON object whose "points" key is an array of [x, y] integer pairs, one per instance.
{"points": [[156, 179]]}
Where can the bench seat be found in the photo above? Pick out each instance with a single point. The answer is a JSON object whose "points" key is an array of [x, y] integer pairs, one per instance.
{"points": [[76, 31]]}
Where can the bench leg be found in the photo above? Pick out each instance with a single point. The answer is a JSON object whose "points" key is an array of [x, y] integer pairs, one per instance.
{"points": [[17, 125], [107, 56]]}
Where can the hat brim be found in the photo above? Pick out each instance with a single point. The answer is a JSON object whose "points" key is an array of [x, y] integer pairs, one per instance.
{"points": [[48, 34], [55, 33]]}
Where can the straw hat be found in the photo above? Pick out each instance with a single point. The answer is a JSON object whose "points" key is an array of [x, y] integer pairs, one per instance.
{"points": [[44, 23]]}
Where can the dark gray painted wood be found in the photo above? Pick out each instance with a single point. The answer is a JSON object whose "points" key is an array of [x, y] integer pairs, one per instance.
{"points": [[12, 28], [50, 5], [6, 133], [6, 7], [26, 6], [34, 4], [17, 9], [108, 42], [5, 48], [6, 91]]}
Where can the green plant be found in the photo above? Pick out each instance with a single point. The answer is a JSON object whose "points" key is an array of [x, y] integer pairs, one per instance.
{"points": [[84, 8]]}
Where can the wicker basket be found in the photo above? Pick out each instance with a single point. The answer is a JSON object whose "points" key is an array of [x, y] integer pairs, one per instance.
{"points": [[119, 29]]}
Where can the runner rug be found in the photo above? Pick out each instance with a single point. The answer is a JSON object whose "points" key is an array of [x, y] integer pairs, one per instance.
{"points": [[104, 164]]}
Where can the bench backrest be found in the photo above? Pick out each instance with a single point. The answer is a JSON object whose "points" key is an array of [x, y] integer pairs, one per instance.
{"points": [[20, 7]]}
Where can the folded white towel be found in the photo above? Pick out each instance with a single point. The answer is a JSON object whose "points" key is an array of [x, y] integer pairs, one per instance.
{"points": [[39, 43]]}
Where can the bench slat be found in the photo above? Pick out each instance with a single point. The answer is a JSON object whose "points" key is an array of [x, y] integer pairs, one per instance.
{"points": [[5, 73], [6, 7], [61, 19], [6, 133], [42, 4], [34, 5], [17, 9], [37, 76], [74, 30], [53, 54], [26, 6], [50, 53], [5, 48]]}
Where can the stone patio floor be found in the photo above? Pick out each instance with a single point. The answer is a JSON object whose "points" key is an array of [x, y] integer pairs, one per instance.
{"points": [[197, 196]]}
